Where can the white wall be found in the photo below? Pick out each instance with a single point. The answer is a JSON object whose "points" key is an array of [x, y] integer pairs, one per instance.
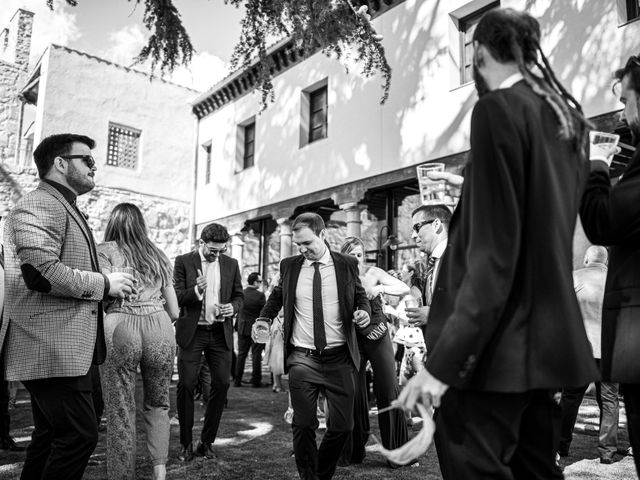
{"points": [[80, 94], [426, 116]]}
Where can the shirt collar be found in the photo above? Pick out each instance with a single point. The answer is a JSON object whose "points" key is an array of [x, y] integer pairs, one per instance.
{"points": [[439, 249], [68, 195], [324, 260], [511, 81], [204, 260]]}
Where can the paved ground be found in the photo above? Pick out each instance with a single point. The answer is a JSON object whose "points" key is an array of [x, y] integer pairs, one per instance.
{"points": [[255, 442]]}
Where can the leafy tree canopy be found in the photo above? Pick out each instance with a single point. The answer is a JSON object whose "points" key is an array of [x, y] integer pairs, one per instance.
{"points": [[338, 28]]}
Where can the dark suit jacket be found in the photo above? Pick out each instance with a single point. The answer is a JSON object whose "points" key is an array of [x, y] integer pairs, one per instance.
{"points": [[611, 216], [504, 314], [184, 276], [254, 300], [352, 297]]}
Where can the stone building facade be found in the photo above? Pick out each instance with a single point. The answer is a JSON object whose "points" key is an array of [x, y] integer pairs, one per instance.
{"points": [[144, 133], [15, 46]]}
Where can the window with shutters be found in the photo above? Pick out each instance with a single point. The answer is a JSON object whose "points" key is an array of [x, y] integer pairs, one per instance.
{"points": [[123, 146], [467, 26], [318, 114], [249, 145]]}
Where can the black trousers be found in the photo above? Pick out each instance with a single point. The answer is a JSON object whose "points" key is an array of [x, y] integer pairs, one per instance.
{"points": [[218, 357], [497, 436], [631, 392], [308, 376], [244, 345], [65, 433]]}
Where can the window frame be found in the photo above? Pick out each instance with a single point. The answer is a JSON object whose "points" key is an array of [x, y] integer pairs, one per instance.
{"points": [[466, 23], [249, 127], [320, 92], [114, 152]]}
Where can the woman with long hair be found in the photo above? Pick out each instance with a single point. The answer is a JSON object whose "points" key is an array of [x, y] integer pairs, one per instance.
{"points": [[138, 333], [375, 347], [413, 274]]}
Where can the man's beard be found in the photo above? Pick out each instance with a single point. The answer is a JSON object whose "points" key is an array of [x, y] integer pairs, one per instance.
{"points": [[481, 85], [81, 184]]}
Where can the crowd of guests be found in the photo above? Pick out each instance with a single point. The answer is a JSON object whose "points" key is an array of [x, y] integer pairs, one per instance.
{"points": [[494, 324]]}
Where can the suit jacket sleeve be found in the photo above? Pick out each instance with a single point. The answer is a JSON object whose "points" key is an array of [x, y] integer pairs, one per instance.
{"points": [[39, 230], [274, 302], [186, 293], [495, 190], [611, 215], [237, 294]]}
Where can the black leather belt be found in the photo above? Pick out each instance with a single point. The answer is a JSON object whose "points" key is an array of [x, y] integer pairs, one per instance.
{"points": [[327, 352], [210, 328]]}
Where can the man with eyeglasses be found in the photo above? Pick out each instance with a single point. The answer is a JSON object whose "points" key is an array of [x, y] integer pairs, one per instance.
{"points": [[611, 217], [430, 232], [52, 325], [209, 290]]}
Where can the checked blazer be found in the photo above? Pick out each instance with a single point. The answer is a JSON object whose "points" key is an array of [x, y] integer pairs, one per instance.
{"points": [[53, 290]]}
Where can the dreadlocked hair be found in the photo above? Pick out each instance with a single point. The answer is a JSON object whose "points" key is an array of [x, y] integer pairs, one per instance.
{"points": [[513, 36]]}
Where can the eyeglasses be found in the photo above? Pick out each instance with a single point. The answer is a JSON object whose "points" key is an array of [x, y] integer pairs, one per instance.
{"points": [[419, 225], [215, 251], [87, 159]]}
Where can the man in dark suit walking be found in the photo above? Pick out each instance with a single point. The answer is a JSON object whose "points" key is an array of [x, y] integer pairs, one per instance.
{"points": [[324, 303], [611, 216], [209, 291], [254, 300], [504, 331], [52, 328]]}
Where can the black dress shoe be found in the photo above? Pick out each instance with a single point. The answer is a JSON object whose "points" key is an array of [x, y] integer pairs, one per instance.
{"points": [[8, 443], [259, 385], [205, 449], [186, 453]]}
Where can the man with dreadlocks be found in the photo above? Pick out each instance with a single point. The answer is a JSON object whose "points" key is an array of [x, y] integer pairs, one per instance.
{"points": [[505, 330], [611, 216]]}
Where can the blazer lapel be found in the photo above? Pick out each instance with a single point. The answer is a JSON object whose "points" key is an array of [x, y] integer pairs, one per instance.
{"points": [[341, 276], [289, 289], [84, 228]]}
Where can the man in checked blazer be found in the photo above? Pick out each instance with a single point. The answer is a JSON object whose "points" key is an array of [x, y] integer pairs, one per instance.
{"points": [[52, 328]]}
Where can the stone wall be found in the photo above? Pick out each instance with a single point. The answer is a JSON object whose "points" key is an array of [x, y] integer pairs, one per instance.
{"points": [[167, 220], [15, 44]]}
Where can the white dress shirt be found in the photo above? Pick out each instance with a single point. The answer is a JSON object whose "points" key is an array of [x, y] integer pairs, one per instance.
{"points": [[302, 334], [211, 271], [510, 81]]}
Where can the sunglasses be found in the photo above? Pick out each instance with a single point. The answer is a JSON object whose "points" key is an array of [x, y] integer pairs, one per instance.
{"points": [[418, 226], [87, 159]]}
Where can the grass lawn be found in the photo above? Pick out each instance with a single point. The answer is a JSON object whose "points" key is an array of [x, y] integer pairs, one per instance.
{"points": [[254, 442]]}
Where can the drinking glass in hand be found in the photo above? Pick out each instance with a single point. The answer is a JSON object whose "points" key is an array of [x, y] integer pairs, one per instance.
{"points": [[131, 271], [602, 146], [260, 330], [431, 191]]}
